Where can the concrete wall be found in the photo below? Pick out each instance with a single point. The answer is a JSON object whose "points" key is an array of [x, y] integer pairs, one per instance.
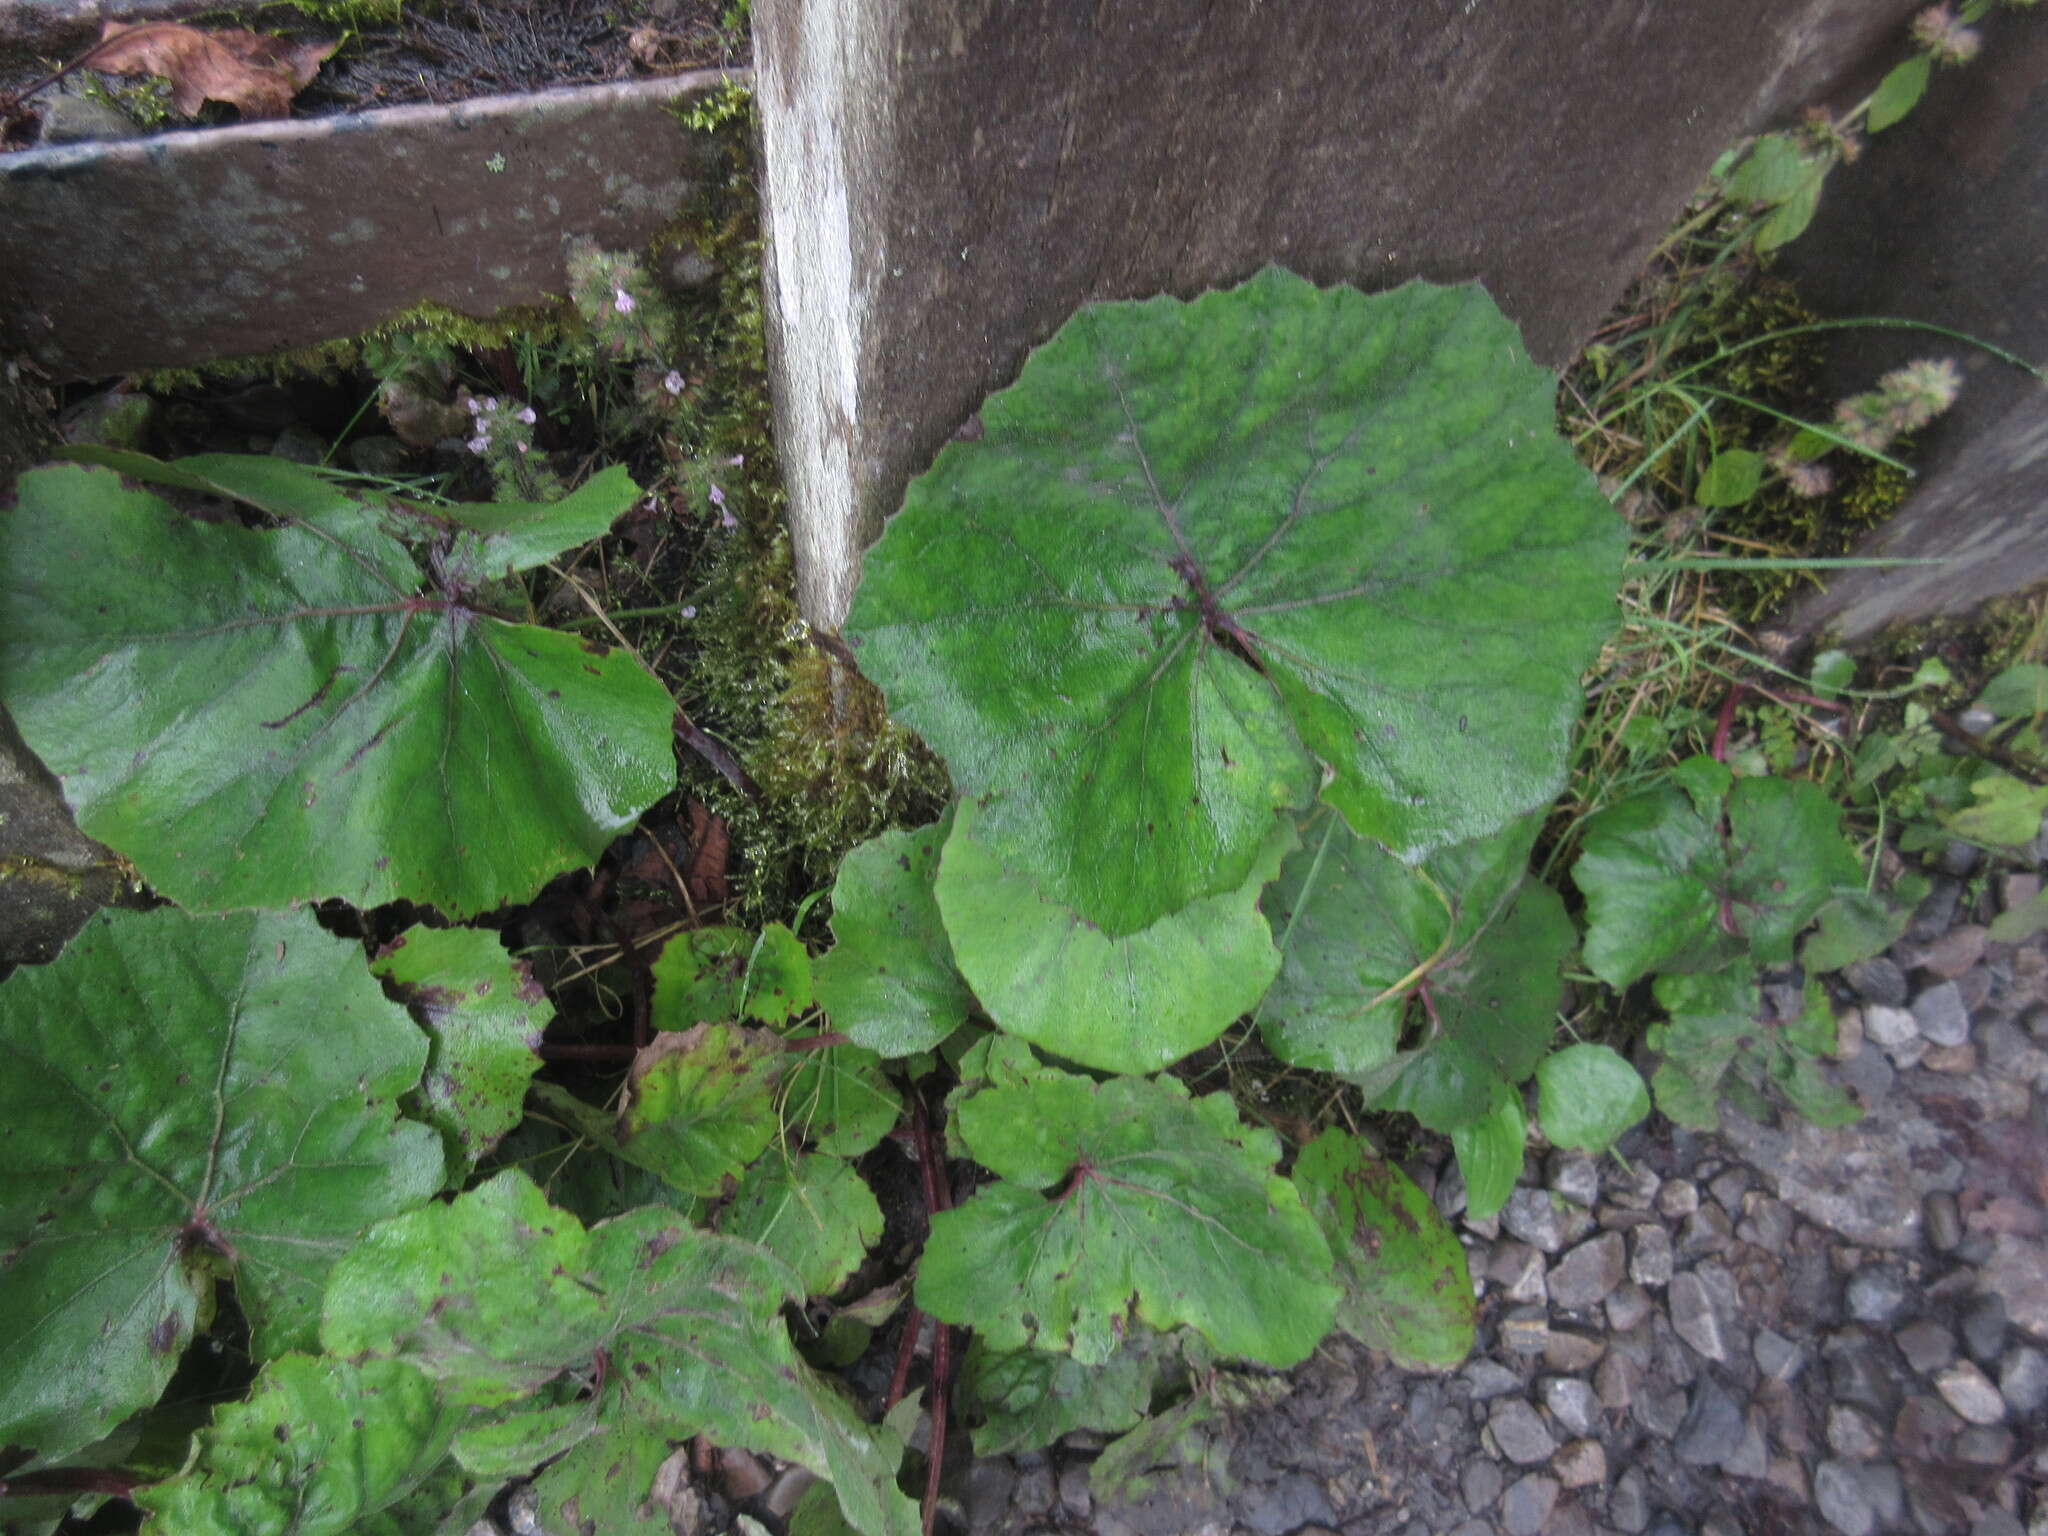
{"points": [[947, 180], [1945, 219]]}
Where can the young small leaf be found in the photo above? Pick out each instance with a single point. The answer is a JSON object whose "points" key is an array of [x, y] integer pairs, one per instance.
{"points": [[1899, 92], [186, 1097], [1667, 889], [1027, 1398], [1406, 1288], [778, 979], [1587, 1095], [1199, 550], [483, 1014], [1163, 1202], [1776, 166], [839, 1101], [2006, 811], [319, 1449], [889, 982], [260, 716], [1714, 1018], [2017, 693], [1130, 1004], [1731, 479], [1489, 1152], [703, 1104], [814, 1213], [700, 977], [1788, 221]]}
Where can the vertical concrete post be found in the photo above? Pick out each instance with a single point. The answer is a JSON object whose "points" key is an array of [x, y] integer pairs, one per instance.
{"points": [[947, 180]]}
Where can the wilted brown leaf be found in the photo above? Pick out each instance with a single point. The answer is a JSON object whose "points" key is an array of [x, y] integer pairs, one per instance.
{"points": [[256, 75]]}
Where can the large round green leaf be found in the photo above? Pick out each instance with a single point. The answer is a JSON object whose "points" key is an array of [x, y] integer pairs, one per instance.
{"points": [[258, 716], [1199, 548], [1163, 1202], [1130, 1003], [186, 1097]]}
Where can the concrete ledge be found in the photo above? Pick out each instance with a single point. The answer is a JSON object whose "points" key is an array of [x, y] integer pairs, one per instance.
{"points": [[190, 247]]}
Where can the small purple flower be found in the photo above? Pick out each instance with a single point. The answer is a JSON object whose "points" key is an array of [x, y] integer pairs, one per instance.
{"points": [[737, 460], [480, 444], [523, 447], [689, 611], [729, 522], [718, 496], [527, 416], [474, 405], [622, 301], [490, 402], [673, 383]]}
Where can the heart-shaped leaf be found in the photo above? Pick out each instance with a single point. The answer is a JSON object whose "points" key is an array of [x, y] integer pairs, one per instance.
{"points": [[186, 1097], [497, 1294], [1199, 548], [1163, 1202], [889, 982], [1678, 882], [483, 1013], [1133, 1003], [260, 716], [1406, 1288], [1359, 930], [319, 1448], [703, 1104]]}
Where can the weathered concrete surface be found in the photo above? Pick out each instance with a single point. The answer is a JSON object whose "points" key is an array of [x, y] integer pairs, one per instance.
{"points": [[188, 247], [1945, 219], [33, 31], [947, 180]]}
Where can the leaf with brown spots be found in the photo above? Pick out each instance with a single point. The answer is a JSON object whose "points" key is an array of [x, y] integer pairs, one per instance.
{"points": [[255, 74]]}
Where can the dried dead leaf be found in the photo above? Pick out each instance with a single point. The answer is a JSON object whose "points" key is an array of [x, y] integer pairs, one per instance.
{"points": [[256, 75]]}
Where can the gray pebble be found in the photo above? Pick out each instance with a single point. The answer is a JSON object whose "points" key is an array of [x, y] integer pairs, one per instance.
{"points": [[1729, 1188], [1520, 1271], [1528, 1505], [1669, 1524], [1660, 1412], [1869, 1077], [1570, 1351], [1707, 1230], [1469, 1528], [1539, 1219], [1752, 1458], [2023, 1381], [1035, 1492], [1969, 1391], [1926, 1345], [1983, 1323], [1877, 981], [1628, 1306], [1876, 1293], [1650, 1261], [1576, 1176], [1583, 1277], [1520, 1432], [1852, 1435], [1984, 1445], [1954, 952], [1857, 1374], [1294, 1501], [1694, 1318], [1525, 1331], [1615, 1381], [1767, 1224], [1628, 1503], [989, 1481], [1942, 1220], [1937, 910], [1889, 1027], [69, 119], [1489, 1378], [1940, 1013], [1582, 1464], [1857, 1497], [1449, 1197], [1777, 1356], [1998, 1522], [1677, 1197], [1571, 1402], [1480, 1483], [1713, 1426]]}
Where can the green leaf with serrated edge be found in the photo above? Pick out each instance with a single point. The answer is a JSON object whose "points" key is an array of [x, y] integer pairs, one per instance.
{"points": [[889, 983], [1025, 1399], [1489, 1152], [376, 730], [2017, 693], [1406, 1288], [1855, 925], [186, 1097], [1496, 1012], [1714, 1018], [702, 1104], [1163, 1203], [1134, 1003], [1814, 1031], [483, 1013], [838, 1099], [1199, 548], [1180, 1440], [319, 1447], [699, 977], [1731, 479], [1899, 92], [778, 981], [994, 1061], [1804, 1085], [607, 1484], [496, 1294], [1687, 1099], [1666, 889], [513, 1442], [814, 1213], [1587, 1096], [2005, 811], [1358, 929]]}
